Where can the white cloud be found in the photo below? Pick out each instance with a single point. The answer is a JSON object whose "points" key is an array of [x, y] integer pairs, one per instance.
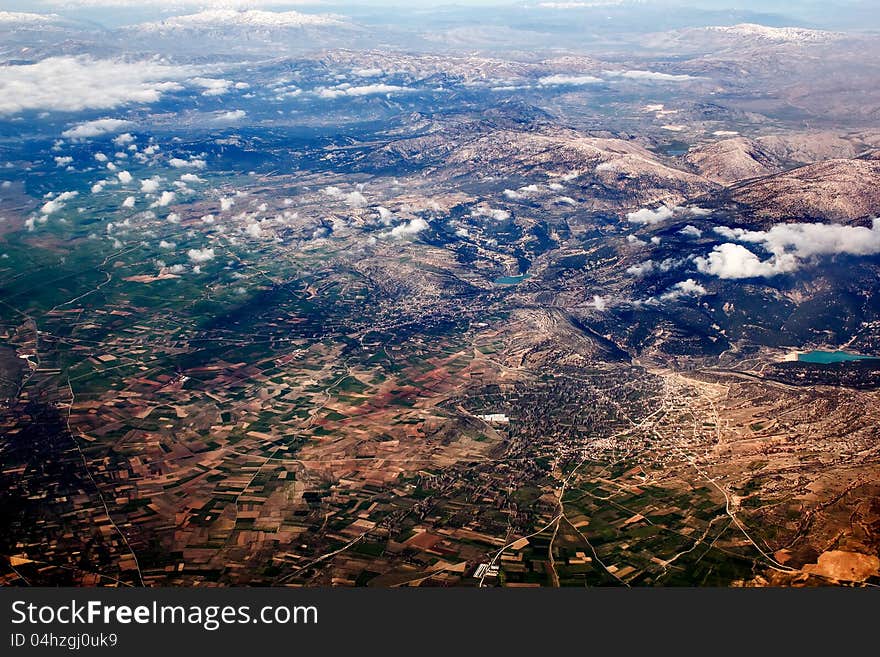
{"points": [[789, 245], [71, 84], [363, 90], [412, 227], [51, 206], [698, 211], [190, 178], [599, 303], [353, 199], [150, 185], [641, 269], [63, 161], [226, 203], [650, 76], [688, 288], [691, 231], [124, 177], [95, 128], [385, 215], [231, 115], [128, 202], [651, 266], [805, 240], [493, 213], [650, 217], [192, 163], [200, 255], [522, 192], [166, 198], [57, 203], [734, 261], [123, 139], [212, 86], [568, 80]]}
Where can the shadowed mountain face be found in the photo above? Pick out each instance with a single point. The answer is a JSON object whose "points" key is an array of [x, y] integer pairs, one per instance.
{"points": [[346, 296]]}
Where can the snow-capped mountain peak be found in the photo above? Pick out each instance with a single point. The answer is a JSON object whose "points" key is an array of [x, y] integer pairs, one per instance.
{"points": [[246, 18], [789, 34]]}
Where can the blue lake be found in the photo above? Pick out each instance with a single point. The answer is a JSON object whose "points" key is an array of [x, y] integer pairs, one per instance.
{"points": [[510, 280], [826, 357]]}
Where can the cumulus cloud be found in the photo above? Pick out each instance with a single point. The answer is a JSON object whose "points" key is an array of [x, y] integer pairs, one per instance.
{"points": [[493, 213], [231, 115], [412, 227], [522, 192], [128, 202], [698, 211], [353, 199], [63, 161], [789, 245], [650, 266], [641, 269], [650, 76], [57, 203], [646, 216], [691, 231], [150, 185], [362, 90], [385, 215], [200, 255], [734, 261], [123, 139], [124, 177], [72, 84], [95, 128], [212, 86], [688, 288], [192, 163], [165, 198], [805, 240], [568, 80]]}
